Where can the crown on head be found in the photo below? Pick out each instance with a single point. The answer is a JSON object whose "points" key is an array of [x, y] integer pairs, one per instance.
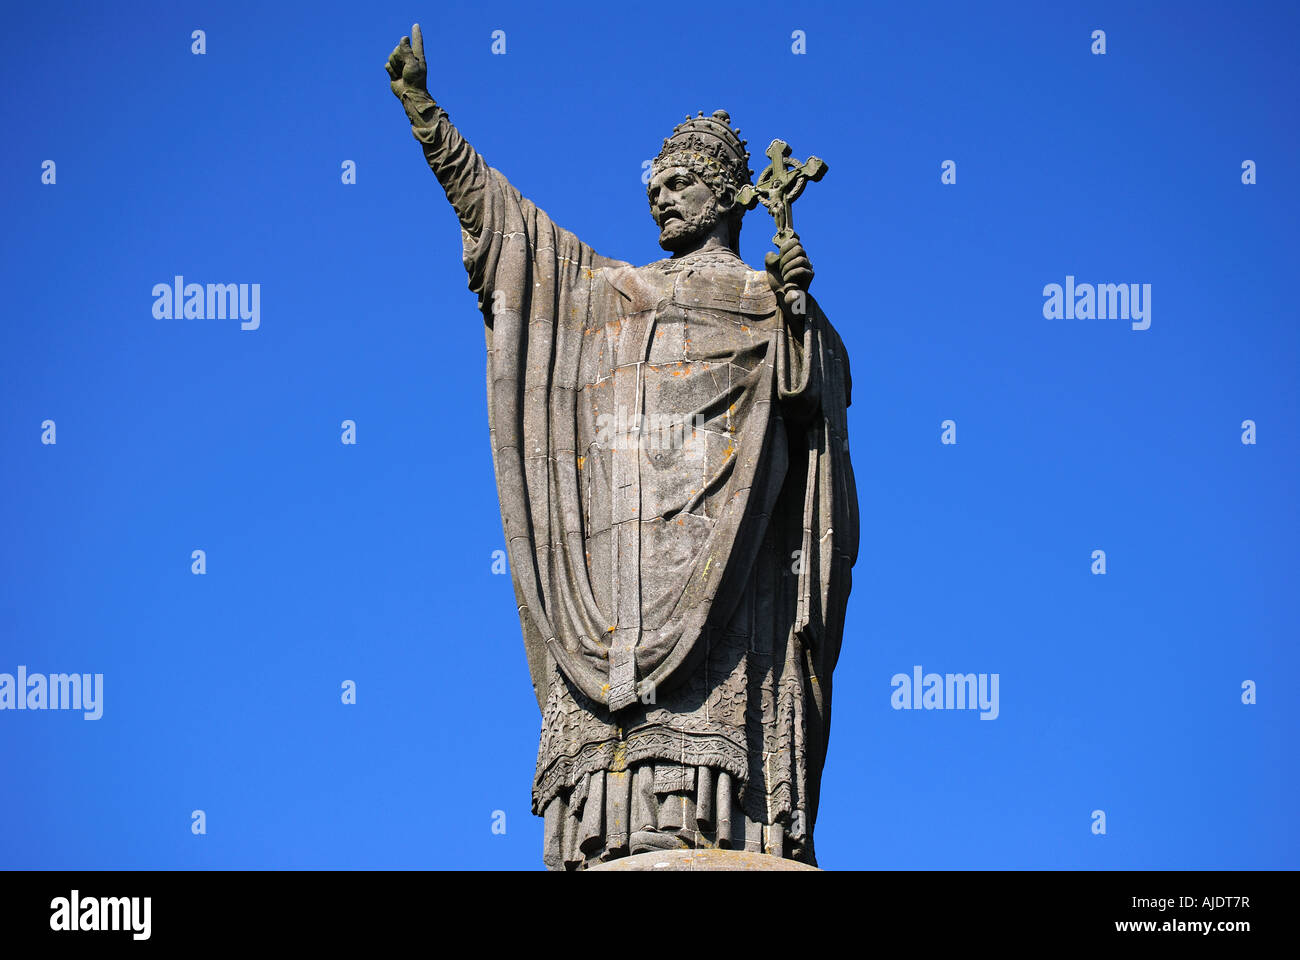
{"points": [[712, 140]]}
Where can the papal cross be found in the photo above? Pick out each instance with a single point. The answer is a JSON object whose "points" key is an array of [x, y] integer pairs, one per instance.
{"points": [[780, 185]]}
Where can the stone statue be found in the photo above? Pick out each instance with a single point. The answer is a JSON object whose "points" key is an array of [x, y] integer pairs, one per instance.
{"points": [[671, 455]]}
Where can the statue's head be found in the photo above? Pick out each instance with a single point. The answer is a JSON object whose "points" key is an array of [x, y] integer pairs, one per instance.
{"points": [[694, 182]]}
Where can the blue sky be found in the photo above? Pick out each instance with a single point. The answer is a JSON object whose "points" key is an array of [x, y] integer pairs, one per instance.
{"points": [[372, 562]]}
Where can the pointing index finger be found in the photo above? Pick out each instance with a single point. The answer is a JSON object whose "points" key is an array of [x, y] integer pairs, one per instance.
{"points": [[417, 40]]}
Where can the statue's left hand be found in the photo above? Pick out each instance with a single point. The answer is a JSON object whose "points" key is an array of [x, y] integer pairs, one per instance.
{"points": [[789, 272]]}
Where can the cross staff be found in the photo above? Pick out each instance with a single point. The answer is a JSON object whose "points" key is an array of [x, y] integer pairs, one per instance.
{"points": [[780, 185]]}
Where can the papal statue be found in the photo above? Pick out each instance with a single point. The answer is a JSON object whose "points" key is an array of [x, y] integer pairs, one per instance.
{"points": [[671, 455]]}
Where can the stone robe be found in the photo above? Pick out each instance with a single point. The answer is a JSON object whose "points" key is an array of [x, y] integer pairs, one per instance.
{"points": [[671, 458]]}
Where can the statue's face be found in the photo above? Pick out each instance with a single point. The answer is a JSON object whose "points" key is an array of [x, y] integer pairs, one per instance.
{"points": [[684, 207]]}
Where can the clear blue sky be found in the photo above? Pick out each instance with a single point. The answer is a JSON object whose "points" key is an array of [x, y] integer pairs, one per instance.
{"points": [[372, 562]]}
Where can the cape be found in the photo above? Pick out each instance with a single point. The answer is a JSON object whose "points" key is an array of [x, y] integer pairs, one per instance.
{"points": [[545, 296]]}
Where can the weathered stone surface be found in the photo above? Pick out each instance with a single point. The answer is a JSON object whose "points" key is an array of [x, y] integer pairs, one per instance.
{"points": [[672, 463], [713, 861]]}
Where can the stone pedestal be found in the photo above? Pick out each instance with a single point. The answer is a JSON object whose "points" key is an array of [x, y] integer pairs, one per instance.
{"points": [[670, 861]]}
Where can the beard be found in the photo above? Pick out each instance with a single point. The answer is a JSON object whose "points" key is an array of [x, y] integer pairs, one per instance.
{"points": [[678, 233]]}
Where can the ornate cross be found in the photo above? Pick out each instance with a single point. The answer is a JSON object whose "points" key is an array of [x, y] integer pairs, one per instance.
{"points": [[780, 185]]}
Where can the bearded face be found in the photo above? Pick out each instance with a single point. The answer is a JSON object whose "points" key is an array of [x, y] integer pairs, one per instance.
{"points": [[684, 207]]}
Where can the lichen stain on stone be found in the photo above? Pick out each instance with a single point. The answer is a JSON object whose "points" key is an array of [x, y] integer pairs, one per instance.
{"points": [[618, 763]]}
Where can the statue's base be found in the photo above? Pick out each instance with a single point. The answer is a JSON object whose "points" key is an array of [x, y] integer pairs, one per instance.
{"points": [[668, 861]]}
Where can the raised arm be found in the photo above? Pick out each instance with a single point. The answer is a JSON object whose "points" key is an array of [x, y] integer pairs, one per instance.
{"points": [[458, 166]]}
